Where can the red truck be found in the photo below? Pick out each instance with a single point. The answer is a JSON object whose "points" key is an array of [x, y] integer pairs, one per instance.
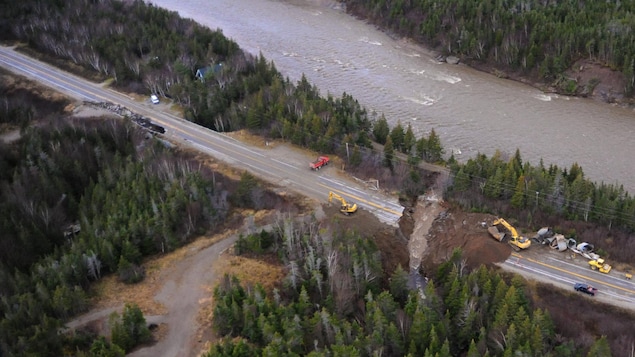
{"points": [[321, 161]]}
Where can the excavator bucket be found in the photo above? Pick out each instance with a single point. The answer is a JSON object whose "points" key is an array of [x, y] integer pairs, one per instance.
{"points": [[493, 231]]}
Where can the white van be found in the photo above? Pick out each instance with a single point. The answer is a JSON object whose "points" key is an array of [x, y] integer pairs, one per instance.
{"points": [[154, 99]]}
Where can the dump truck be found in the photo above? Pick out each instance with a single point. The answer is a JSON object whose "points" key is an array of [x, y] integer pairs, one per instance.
{"points": [[321, 161], [599, 264], [516, 240], [345, 208]]}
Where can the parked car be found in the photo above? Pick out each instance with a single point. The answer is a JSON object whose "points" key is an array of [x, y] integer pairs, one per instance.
{"points": [[154, 99], [587, 289]]}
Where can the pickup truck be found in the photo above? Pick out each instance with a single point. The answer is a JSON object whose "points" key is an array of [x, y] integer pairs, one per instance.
{"points": [[587, 289], [321, 161]]}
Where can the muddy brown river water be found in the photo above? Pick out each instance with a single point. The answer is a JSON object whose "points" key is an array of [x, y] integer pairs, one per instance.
{"points": [[471, 111]]}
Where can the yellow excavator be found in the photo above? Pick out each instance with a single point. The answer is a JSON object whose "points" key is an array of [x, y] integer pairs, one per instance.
{"points": [[345, 208], [516, 240]]}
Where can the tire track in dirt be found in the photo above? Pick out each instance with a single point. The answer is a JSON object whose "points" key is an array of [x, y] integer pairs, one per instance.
{"points": [[187, 284]]}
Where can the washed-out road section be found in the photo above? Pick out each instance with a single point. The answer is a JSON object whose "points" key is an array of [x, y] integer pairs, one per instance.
{"points": [[286, 169]]}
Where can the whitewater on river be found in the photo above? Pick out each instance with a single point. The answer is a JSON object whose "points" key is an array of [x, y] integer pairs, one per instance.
{"points": [[473, 112]]}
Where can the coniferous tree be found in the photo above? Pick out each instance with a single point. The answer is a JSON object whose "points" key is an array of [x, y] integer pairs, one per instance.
{"points": [[398, 137], [102, 348], [389, 154], [399, 284], [356, 157], [381, 130], [473, 351], [518, 199], [461, 181], [129, 329], [600, 348], [434, 149], [409, 140], [421, 147]]}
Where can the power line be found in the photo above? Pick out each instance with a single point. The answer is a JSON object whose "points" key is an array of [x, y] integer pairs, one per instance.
{"points": [[573, 205]]}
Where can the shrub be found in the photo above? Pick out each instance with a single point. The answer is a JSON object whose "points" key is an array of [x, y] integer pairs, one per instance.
{"points": [[130, 329], [130, 273]]}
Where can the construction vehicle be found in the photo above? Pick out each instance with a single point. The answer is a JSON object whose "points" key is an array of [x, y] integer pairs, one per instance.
{"points": [[321, 161], [599, 264], [516, 240], [494, 232], [345, 208]]}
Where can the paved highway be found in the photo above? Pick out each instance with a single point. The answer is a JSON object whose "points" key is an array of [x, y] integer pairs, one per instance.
{"points": [[298, 177], [261, 162], [560, 269]]}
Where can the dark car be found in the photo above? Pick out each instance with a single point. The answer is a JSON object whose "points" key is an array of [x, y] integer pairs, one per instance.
{"points": [[588, 289]]}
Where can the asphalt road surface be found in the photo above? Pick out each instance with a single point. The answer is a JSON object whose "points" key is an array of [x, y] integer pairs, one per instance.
{"points": [[298, 178], [613, 288], [564, 269]]}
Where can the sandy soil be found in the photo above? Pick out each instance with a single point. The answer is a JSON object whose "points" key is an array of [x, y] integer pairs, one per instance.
{"points": [[186, 287], [176, 287]]}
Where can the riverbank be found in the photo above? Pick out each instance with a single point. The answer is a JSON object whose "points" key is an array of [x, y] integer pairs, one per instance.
{"points": [[592, 81], [585, 79]]}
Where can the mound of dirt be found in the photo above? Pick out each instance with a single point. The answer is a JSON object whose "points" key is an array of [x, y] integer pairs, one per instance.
{"points": [[468, 231], [445, 228], [389, 240]]}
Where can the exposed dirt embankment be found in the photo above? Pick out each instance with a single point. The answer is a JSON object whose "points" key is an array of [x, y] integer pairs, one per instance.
{"points": [[426, 212], [439, 228], [592, 80]]}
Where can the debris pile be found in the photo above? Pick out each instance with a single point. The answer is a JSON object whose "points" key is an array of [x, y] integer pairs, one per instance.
{"points": [[122, 111]]}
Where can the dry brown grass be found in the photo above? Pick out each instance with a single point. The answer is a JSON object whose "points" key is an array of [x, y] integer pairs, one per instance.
{"points": [[211, 163], [265, 271], [245, 137], [109, 291], [250, 271]]}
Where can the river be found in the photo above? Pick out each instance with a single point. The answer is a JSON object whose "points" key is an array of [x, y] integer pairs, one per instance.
{"points": [[473, 112]]}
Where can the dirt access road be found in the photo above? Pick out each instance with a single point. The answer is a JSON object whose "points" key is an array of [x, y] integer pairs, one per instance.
{"points": [[186, 286], [180, 297], [177, 293], [177, 288]]}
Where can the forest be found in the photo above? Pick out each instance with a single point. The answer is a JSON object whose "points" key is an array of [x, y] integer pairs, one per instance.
{"points": [[249, 93], [126, 196], [81, 199], [532, 37], [335, 300], [132, 197]]}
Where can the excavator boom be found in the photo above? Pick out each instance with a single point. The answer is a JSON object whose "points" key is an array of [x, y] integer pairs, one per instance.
{"points": [[345, 207], [516, 240], [509, 227]]}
